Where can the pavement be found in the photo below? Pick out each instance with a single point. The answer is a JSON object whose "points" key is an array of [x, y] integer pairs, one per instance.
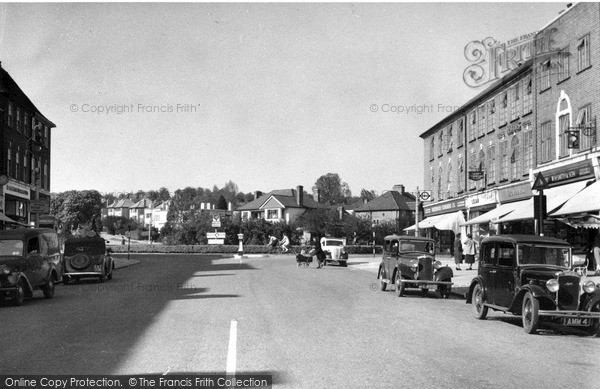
{"points": [[121, 262]]}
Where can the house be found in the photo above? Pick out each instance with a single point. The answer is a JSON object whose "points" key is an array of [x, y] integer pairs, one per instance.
{"points": [[120, 208], [279, 205], [137, 211], [156, 215], [395, 205]]}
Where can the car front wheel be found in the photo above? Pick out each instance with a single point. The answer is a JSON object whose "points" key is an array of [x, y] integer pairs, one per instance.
{"points": [[400, 287], [531, 310], [479, 309], [19, 297], [595, 328], [48, 289], [382, 283]]}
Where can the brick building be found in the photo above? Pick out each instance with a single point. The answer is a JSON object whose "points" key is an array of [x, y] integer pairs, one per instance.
{"points": [[22, 159]]}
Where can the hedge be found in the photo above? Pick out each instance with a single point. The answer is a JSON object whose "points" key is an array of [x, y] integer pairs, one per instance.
{"points": [[227, 249]]}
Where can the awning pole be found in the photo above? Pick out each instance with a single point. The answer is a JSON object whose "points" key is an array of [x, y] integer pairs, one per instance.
{"points": [[417, 213]]}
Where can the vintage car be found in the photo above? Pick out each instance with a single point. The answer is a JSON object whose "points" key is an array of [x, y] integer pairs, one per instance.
{"points": [[30, 259], [409, 262], [534, 277], [334, 250], [85, 257]]}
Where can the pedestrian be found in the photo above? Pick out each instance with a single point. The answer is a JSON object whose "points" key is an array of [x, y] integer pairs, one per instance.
{"points": [[272, 241], [318, 252], [285, 243], [469, 251], [458, 251]]}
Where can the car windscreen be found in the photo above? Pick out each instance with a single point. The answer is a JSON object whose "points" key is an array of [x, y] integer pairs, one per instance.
{"points": [[91, 247], [531, 254], [333, 243], [415, 245], [11, 247]]}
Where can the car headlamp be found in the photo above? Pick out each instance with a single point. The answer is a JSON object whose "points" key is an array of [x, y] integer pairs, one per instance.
{"points": [[589, 286], [414, 263], [552, 285]]}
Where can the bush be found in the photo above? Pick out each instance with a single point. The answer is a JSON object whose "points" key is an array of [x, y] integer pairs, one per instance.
{"points": [[226, 249]]}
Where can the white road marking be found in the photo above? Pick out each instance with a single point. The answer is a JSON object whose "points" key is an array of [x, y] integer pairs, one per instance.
{"points": [[232, 351]]}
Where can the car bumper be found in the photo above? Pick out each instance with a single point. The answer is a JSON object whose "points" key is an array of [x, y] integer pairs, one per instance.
{"points": [[426, 283], [571, 314], [83, 274]]}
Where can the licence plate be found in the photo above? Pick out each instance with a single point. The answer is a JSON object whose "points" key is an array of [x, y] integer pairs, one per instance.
{"points": [[576, 321], [430, 287]]}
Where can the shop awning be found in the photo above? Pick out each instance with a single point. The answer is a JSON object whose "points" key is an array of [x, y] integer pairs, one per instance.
{"points": [[555, 197], [448, 221], [5, 218], [494, 214], [587, 200], [583, 221]]}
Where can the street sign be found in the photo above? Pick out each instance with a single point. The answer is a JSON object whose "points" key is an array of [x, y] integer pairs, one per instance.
{"points": [[39, 206], [215, 235], [216, 241], [425, 195], [216, 220]]}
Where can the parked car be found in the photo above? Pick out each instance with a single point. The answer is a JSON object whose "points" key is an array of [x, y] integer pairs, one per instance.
{"points": [[409, 262], [30, 259], [534, 277], [335, 250], [86, 257]]}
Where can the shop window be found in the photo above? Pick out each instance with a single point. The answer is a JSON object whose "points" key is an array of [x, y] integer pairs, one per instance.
{"points": [[583, 53]]}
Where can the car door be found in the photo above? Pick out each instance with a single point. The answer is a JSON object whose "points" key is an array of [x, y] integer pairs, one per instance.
{"points": [[487, 268], [504, 277], [33, 261]]}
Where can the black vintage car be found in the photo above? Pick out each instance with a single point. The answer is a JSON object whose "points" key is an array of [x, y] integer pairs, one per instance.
{"points": [[29, 260], [409, 262], [87, 256], [534, 277]]}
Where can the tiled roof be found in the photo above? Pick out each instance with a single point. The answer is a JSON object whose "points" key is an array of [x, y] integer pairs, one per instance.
{"points": [[389, 201], [287, 197], [144, 203]]}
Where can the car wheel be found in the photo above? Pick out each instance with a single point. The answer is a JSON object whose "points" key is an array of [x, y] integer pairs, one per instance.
{"points": [[102, 278], [48, 289], [343, 264], [19, 297], [382, 283], [531, 308], [66, 280], [479, 310], [400, 286], [110, 272], [424, 291], [595, 328]]}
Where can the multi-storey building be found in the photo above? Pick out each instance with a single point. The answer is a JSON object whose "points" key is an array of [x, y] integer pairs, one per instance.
{"points": [[25, 163], [484, 158]]}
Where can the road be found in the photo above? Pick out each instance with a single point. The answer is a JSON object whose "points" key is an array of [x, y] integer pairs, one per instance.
{"points": [[310, 328]]}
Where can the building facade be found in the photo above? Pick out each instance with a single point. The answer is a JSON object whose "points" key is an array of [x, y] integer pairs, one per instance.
{"points": [[25, 165]]}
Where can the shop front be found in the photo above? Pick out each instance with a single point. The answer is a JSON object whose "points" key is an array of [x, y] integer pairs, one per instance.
{"points": [[442, 221], [16, 202], [478, 205]]}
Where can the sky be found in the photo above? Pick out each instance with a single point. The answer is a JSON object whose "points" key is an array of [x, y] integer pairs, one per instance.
{"points": [[267, 95]]}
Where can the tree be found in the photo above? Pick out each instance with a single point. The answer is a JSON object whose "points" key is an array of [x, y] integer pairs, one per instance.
{"points": [[331, 188], [77, 208], [222, 203], [367, 194]]}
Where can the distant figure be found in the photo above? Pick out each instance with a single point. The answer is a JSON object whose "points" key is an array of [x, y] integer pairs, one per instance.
{"points": [[318, 252], [596, 253], [469, 251], [285, 243], [272, 241], [458, 251]]}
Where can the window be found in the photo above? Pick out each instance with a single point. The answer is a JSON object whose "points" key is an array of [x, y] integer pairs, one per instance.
{"points": [[432, 177], [450, 138], [18, 128], [9, 162], [461, 132], [440, 195], [587, 139], [545, 75], [472, 126], [18, 170], [527, 151], [441, 143], [515, 157], [506, 255], [46, 137], [503, 160], [490, 116], [491, 173], [563, 123], [527, 96], [503, 108], [472, 166], [583, 53], [26, 177], [563, 65], [481, 122], [481, 168], [449, 193], [45, 183], [432, 148], [547, 154], [26, 126], [10, 115], [460, 175], [515, 102], [32, 174]]}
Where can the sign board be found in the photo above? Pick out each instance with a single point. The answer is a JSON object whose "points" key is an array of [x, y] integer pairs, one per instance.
{"points": [[476, 175], [216, 220], [540, 182], [39, 206], [425, 195], [215, 235], [18, 190], [216, 241]]}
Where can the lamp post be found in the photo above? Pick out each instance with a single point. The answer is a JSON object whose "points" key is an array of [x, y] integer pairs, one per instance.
{"points": [[241, 245]]}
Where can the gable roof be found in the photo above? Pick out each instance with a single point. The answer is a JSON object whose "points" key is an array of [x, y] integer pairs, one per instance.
{"points": [[123, 203], [144, 203], [389, 201], [286, 197]]}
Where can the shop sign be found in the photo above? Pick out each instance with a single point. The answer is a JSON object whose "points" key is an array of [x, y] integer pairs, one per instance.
{"points": [[481, 199], [514, 193], [446, 207], [566, 174], [17, 190]]}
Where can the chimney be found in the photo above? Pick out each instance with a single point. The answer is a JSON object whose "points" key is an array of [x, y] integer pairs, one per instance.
{"points": [[257, 194], [399, 188], [300, 195]]}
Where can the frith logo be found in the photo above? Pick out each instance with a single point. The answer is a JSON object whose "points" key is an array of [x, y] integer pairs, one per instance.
{"points": [[492, 60]]}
